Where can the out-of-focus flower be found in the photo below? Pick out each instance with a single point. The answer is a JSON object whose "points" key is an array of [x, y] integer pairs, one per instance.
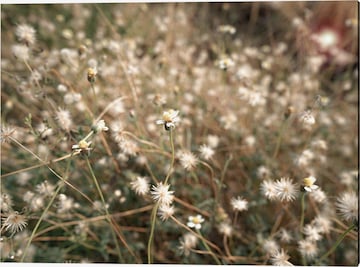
{"points": [[206, 152], [189, 242], [225, 62], [91, 74], [348, 206], [187, 159], [227, 29], [100, 126], [280, 258], [83, 145], [308, 248], [26, 34], [140, 185], [166, 211], [239, 204], [225, 228]]}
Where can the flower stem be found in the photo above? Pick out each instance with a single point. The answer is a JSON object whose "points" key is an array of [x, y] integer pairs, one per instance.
{"points": [[278, 142], [153, 222], [208, 249], [45, 211], [108, 217], [302, 212], [172, 157], [337, 243]]}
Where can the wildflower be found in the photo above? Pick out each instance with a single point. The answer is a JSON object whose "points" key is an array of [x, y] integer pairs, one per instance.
{"points": [[91, 74], [213, 141], [5, 202], [309, 185], [188, 160], [270, 246], [6, 133], [268, 189], [308, 248], [225, 62], [195, 221], [65, 203], [45, 188], [206, 152], [312, 232], [225, 228], [140, 185], [14, 222], [64, 119], [227, 29], [285, 235], [322, 223], [162, 194], [348, 206], [100, 126], [25, 33], [263, 172], [71, 98], [83, 145], [20, 51], [128, 146], [189, 241], [280, 258], [304, 159], [285, 189], [239, 204], [307, 119], [169, 119], [166, 211]]}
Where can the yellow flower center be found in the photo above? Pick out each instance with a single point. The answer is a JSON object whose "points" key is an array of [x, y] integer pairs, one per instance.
{"points": [[196, 220], [167, 115], [83, 144], [308, 181]]}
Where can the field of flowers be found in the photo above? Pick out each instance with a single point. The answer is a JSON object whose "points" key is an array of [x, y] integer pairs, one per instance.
{"points": [[201, 133]]}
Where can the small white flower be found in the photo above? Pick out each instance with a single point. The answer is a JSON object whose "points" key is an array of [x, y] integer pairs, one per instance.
{"points": [[14, 222], [140, 185], [169, 119], [225, 62], [309, 185], [285, 189], [187, 159], [280, 258], [225, 228], [83, 145], [162, 194], [166, 211], [206, 152], [307, 119], [348, 206], [100, 126], [195, 221], [239, 204], [227, 29], [268, 189], [25, 33]]}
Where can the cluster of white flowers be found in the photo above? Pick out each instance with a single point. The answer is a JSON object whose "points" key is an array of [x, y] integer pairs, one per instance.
{"points": [[283, 189]]}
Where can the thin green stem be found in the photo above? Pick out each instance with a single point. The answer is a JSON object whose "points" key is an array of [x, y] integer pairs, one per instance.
{"points": [[172, 157], [152, 230], [278, 142], [108, 217], [45, 211], [302, 212], [337, 243], [208, 249]]}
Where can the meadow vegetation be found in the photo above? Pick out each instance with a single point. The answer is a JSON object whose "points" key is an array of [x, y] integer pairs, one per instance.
{"points": [[202, 133]]}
